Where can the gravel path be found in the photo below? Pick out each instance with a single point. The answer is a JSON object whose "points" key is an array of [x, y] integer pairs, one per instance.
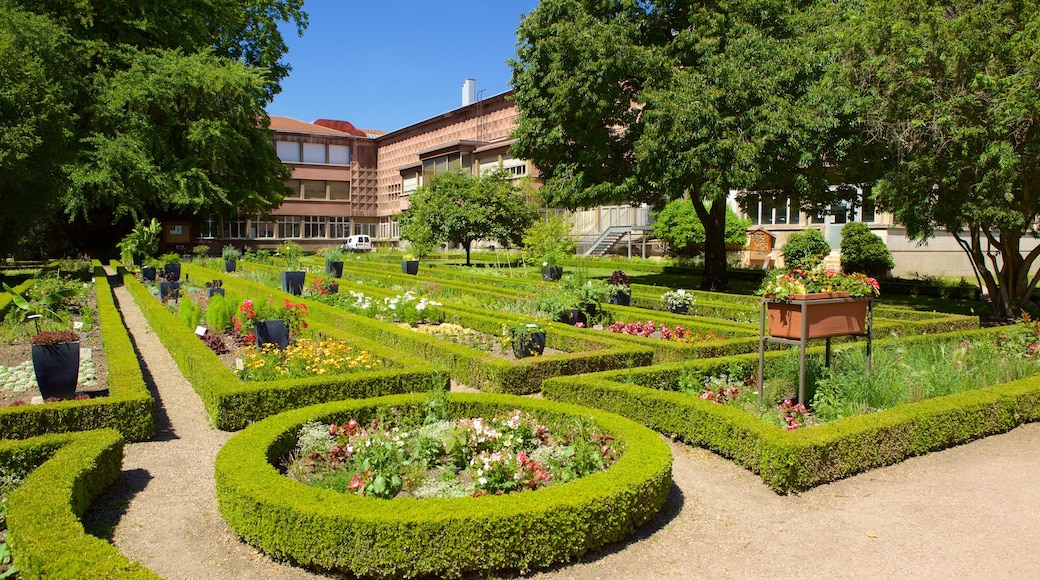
{"points": [[971, 511]]}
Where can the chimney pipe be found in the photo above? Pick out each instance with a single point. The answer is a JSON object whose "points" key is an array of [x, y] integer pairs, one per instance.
{"points": [[469, 92]]}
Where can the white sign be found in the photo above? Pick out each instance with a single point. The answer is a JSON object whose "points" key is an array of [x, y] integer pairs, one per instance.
{"points": [[200, 330], [77, 326], [239, 364]]}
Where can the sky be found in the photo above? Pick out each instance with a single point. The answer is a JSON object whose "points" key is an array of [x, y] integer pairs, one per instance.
{"points": [[387, 64]]}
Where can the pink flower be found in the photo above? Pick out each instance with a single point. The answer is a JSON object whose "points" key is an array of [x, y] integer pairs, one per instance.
{"points": [[579, 324]]}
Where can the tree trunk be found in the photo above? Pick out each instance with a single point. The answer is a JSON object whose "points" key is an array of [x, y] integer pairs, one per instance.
{"points": [[713, 217], [468, 244]]}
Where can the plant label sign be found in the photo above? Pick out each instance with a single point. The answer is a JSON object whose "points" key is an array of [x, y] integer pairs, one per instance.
{"points": [[200, 330]]}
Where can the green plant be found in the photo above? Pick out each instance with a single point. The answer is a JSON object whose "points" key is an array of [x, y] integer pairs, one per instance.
{"points": [[47, 306], [170, 258], [293, 253], [782, 284], [333, 254], [230, 253], [548, 241], [805, 249], [864, 251], [200, 251], [680, 298], [190, 313], [142, 240]]}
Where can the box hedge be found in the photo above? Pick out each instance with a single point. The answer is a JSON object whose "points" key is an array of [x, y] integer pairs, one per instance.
{"points": [[366, 536]]}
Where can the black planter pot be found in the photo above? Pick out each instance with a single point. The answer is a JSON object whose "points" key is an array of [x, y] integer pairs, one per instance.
{"points": [[410, 267], [211, 292], [292, 282], [623, 297], [334, 269], [139, 260], [529, 344], [552, 273], [681, 309], [174, 270], [334, 288], [230, 265], [148, 273], [57, 369], [271, 331], [574, 316], [169, 291]]}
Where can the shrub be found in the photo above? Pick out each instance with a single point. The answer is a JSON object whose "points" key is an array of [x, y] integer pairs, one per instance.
{"points": [[219, 313], [805, 249], [864, 251], [190, 313]]}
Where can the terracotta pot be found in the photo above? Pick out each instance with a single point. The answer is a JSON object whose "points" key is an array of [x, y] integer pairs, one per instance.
{"points": [[825, 319]]}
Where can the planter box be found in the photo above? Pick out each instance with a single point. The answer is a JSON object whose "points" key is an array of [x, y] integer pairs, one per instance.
{"points": [[334, 269], [410, 267], [172, 270], [828, 314], [148, 273], [169, 290], [210, 292], [552, 273], [622, 298], [679, 309], [57, 369], [271, 331], [529, 344], [574, 316], [230, 265], [292, 282]]}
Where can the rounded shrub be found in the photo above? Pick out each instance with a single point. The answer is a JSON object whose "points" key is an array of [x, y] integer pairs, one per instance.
{"points": [[805, 249], [406, 537], [864, 251]]}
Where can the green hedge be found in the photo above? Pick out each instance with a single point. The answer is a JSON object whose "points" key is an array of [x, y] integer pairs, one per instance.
{"points": [[128, 408], [43, 518], [585, 351], [233, 404], [341, 533], [807, 457]]}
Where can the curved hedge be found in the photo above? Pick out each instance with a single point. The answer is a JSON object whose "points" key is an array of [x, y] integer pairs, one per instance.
{"points": [[323, 529], [43, 518]]}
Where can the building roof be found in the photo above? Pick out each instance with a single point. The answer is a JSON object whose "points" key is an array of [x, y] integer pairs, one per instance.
{"points": [[345, 126], [290, 125]]}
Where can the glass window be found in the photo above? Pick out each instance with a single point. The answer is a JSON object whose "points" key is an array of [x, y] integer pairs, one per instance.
{"points": [[869, 210], [314, 152], [260, 229], [288, 151], [339, 155], [210, 228], [339, 190], [289, 226], [294, 187], [313, 189], [314, 227], [238, 228], [339, 227]]}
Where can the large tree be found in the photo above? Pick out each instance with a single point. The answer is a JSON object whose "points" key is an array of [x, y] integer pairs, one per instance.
{"points": [[651, 101], [459, 208], [142, 107], [951, 89]]}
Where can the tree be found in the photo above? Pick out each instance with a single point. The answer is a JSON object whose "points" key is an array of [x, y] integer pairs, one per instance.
{"points": [[651, 101], [805, 249], [950, 89], [864, 251], [549, 240], [679, 226], [143, 107], [458, 208]]}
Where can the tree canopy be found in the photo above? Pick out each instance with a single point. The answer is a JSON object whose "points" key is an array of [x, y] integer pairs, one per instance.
{"points": [[459, 208], [678, 226], [134, 108], [650, 101], [950, 89]]}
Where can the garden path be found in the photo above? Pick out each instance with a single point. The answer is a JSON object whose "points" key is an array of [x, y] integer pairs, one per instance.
{"points": [[969, 511]]}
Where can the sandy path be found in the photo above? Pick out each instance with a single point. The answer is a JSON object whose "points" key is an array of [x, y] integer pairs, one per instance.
{"points": [[971, 511]]}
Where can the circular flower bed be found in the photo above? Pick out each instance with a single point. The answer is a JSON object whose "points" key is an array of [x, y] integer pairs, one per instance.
{"points": [[368, 536]]}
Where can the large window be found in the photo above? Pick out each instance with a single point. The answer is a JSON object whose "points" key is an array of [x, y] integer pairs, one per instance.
{"points": [[339, 190], [313, 189], [294, 188], [365, 229], [288, 151], [339, 155], [260, 229], [236, 228], [289, 226], [314, 153], [339, 227], [769, 209], [314, 227]]}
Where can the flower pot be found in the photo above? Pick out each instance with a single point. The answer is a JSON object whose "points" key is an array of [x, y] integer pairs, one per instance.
{"points": [[57, 369], [574, 316], [334, 269], [529, 344], [211, 292], [334, 288], [292, 282], [271, 331], [679, 308], [148, 273], [828, 314], [230, 266], [173, 269], [552, 273], [623, 297], [410, 267], [139, 260], [169, 290]]}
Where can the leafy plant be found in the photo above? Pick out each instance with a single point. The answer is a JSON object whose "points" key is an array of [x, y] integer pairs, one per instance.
{"points": [[805, 249], [230, 253], [678, 298], [864, 251], [618, 278], [47, 306], [293, 253], [200, 251], [548, 241], [51, 338], [333, 254], [819, 279]]}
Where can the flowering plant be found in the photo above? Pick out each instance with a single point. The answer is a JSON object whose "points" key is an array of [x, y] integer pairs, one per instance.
{"points": [[249, 312], [618, 278], [798, 281], [321, 286], [53, 338], [678, 298]]}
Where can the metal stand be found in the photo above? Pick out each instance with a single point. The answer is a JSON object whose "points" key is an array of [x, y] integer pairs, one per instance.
{"points": [[802, 342]]}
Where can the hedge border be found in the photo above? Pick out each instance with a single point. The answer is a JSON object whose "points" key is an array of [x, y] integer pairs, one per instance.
{"points": [[805, 458], [43, 520], [447, 537], [129, 406], [232, 404]]}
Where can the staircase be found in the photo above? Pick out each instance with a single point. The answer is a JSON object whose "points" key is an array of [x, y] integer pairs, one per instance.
{"points": [[833, 260], [605, 241]]}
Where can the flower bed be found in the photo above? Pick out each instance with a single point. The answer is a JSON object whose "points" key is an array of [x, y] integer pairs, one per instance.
{"points": [[346, 533]]}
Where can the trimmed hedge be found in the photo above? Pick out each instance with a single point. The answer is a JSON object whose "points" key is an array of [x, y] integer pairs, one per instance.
{"points": [[232, 404], [807, 457], [128, 408], [342, 533], [475, 368], [43, 518]]}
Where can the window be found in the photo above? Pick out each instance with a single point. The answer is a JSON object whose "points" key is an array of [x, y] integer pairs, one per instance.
{"points": [[769, 209], [339, 155], [365, 229], [237, 228], [260, 229], [339, 227], [339, 190], [313, 189], [289, 226], [869, 210], [288, 151], [294, 187], [314, 153], [210, 228], [314, 227]]}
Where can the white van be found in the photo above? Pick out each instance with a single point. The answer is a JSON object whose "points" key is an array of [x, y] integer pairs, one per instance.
{"points": [[358, 243]]}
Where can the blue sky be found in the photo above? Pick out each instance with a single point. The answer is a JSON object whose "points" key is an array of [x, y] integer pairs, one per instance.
{"points": [[391, 63]]}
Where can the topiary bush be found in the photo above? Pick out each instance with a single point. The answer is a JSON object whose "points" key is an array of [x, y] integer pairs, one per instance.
{"points": [[864, 251], [805, 249]]}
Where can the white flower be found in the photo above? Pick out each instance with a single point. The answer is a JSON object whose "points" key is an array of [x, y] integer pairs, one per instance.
{"points": [[483, 481]]}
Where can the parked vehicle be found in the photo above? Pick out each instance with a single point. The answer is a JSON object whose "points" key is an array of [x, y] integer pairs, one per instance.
{"points": [[358, 243]]}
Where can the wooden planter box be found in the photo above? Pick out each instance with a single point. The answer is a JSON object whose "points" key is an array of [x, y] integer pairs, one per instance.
{"points": [[829, 314]]}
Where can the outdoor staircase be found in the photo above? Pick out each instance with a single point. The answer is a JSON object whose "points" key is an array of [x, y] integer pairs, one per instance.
{"points": [[833, 260], [607, 240]]}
